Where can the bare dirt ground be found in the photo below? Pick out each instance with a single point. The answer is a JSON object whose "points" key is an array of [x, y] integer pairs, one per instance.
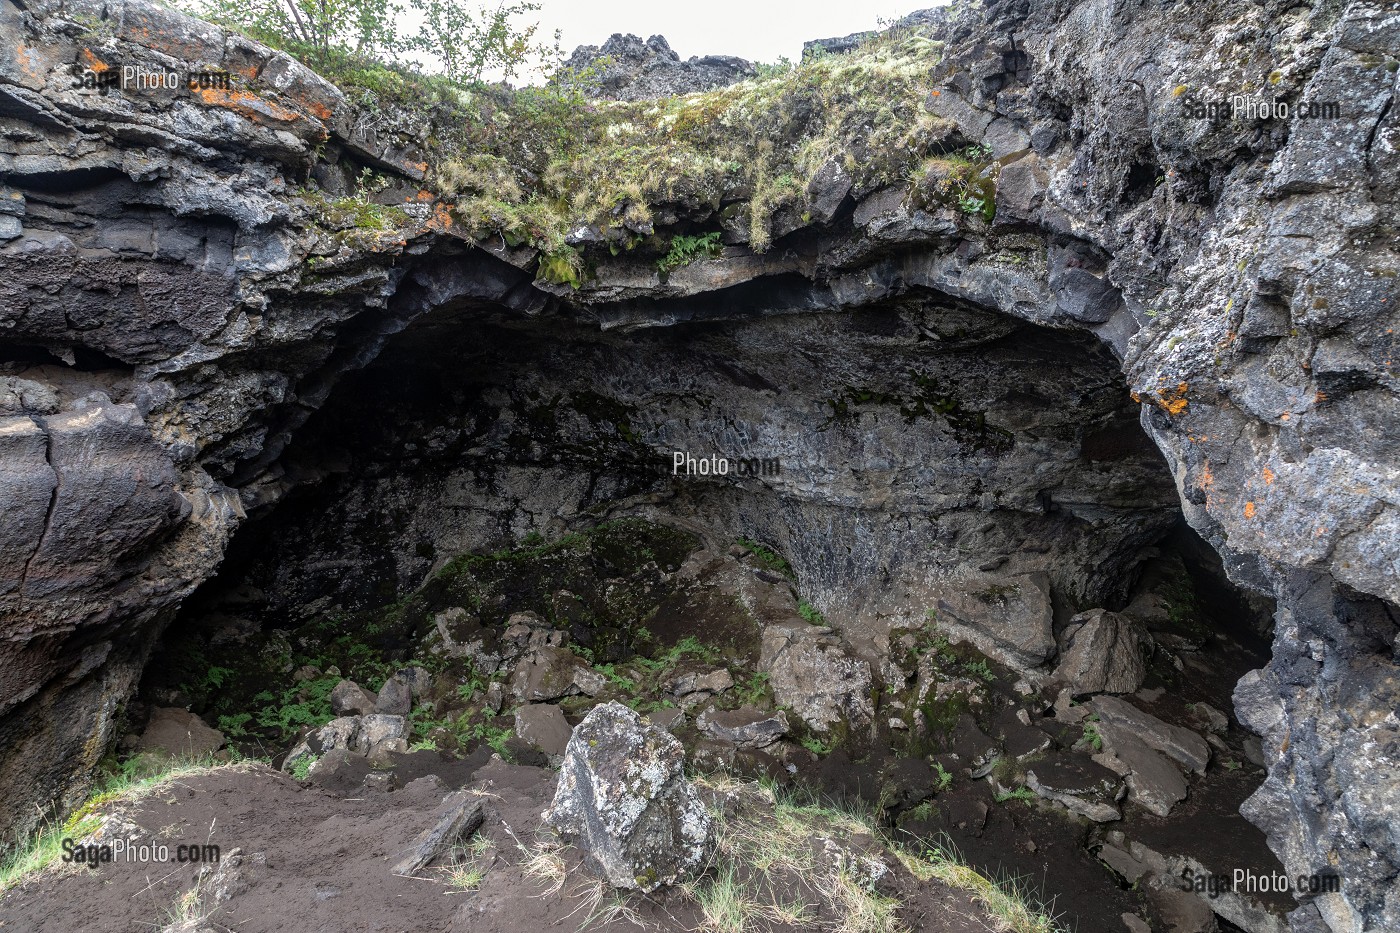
{"points": [[301, 858]]}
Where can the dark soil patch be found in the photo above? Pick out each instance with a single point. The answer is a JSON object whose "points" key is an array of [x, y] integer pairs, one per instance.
{"points": [[299, 858]]}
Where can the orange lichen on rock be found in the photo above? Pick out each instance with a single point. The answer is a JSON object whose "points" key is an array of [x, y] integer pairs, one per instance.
{"points": [[1268, 477], [247, 104], [441, 221], [1172, 401], [94, 64], [1249, 510]]}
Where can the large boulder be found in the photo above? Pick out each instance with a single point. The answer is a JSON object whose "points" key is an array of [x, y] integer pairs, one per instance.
{"points": [[624, 800], [1176, 742], [693, 687], [1010, 619], [1085, 788], [1154, 782], [1102, 652], [373, 736], [626, 68], [543, 727], [812, 674], [746, 728], [552, 673], [350, 699], [395, 697]]}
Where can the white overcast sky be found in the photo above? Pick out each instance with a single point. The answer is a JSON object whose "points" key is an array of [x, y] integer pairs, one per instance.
{"points": [[759, 30]]}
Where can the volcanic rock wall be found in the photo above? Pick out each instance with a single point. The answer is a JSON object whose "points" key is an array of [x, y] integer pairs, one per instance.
{"points": [[167, 333]]}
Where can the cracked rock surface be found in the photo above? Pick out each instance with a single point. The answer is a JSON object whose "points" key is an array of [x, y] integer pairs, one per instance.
{"points": [[168, 337]]}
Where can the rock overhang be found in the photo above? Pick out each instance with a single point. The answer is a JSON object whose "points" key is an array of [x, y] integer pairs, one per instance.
{"points": [[1229, 240]]}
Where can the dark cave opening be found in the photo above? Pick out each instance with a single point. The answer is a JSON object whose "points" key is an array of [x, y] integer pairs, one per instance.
{"points": [[921, 441]]}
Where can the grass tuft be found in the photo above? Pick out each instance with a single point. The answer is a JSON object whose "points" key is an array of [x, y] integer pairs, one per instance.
{"points": [[44, 849], [1007, 899]]}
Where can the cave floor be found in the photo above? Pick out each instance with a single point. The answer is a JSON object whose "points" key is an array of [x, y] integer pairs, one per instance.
{"points": [[298, 857]]}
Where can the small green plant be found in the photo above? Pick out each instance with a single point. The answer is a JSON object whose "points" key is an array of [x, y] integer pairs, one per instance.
{"points": [[768, 70], [973, 204], [620, 681], [923, 812], [692, 647], [1091, 737], [753, 691], [811, 613], [815, 745], [217, 676], [465, 877], [302, 768], [564, 266], [687, 249], [189, 910], [1231, 764], [235, 726], [768, 558], [494, 736], [1023, 794], [981, 669], [945, 778]]}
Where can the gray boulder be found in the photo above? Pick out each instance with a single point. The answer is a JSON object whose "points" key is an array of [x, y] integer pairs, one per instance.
{"points": [[543, 727], [350, 699], [812, 674], [746, 728], [624, 800], [1154, 782], [373, 736], [669, 718], [707, 682], [1009, 618], [395, 697], [1177, 742], [549, 673], [1102, 652], [1087, 789]]}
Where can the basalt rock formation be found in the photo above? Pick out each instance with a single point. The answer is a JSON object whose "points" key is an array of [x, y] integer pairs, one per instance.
{"points": [[626, 68], [204, 317]]}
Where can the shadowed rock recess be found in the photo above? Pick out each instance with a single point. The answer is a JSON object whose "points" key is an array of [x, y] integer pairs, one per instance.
{"points": [[990, 404]]}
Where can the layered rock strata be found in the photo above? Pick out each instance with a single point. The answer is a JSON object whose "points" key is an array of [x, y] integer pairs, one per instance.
{"points": [[173, 312]]}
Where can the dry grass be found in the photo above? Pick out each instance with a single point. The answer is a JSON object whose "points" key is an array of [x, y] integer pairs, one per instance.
{"points": [[189, 913], [528, 166], [767, 867], [772, 846], [1004, 899]]}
